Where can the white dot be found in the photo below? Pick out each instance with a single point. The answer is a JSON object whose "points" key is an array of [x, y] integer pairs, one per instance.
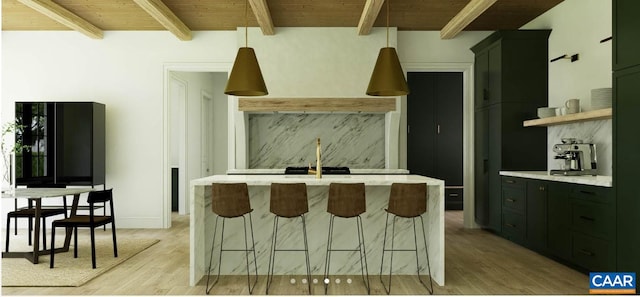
{"points": [[315, 280], [327, 281], [304, 280], [348, 281], [293, 281], [337, 280]]}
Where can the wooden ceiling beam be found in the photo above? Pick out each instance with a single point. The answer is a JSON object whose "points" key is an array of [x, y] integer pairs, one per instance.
{"points": [[369, 16], [261, 11], [159, 11], [469, 13], [64, 16]]}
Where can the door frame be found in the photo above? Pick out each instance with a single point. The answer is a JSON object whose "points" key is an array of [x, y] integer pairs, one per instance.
{"points": [[166, 113], [467, 128]]}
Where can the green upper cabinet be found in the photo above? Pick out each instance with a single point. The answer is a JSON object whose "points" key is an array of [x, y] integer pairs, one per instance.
{"points": [[626, 41], [626, 108], [507, 62]]}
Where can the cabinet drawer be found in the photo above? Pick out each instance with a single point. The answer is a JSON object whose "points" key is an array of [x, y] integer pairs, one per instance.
{"points": [[513, 182], [592, 253], [513, 225], [514, 199], [453, 199], [594, 194], [592, 219]]}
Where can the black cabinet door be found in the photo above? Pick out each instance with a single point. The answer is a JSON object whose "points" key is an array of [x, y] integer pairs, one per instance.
{"points": [[481, 77], [434, 140], [626, 159], [495, 136], [537, 215], [559, 220], [495, 73], [481, 167], [626, 44]]}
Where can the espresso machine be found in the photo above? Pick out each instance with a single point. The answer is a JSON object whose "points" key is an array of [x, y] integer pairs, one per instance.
{"points": [[579, 158]]}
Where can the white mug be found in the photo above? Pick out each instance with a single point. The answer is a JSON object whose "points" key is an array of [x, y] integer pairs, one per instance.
{"points": [[573, 105]]}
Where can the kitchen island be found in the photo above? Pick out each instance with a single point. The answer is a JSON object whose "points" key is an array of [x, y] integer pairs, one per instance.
{"points": [[317, 221]]}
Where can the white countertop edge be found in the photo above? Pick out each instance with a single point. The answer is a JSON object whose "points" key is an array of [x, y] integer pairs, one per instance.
{"points": [[266, 180], [598, 180], [353, 171]]}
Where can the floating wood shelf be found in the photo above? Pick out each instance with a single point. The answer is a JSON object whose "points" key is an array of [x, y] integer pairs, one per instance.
{"points": [[600, 114], [317, 104]]}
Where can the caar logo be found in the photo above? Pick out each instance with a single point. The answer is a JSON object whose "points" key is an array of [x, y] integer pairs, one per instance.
{"points": [[612, 283]]}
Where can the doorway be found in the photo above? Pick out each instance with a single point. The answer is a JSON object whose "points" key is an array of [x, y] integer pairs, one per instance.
{"points": [[189, 90], [435, 130]]}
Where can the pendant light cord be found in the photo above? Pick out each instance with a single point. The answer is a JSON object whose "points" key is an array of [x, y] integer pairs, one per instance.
{"points": [[246, 23], [388, 22]]}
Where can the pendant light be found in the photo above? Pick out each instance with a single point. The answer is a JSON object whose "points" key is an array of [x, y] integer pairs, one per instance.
{"points": [[387, 78], [246, 77]]}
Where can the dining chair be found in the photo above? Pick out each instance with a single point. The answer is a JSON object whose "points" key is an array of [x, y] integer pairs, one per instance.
{"points": [[29, 212], [90, 221]]}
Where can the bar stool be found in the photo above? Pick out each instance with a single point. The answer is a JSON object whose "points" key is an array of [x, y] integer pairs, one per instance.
{"points": [[406, 201], [347, 200], [231, 200], [288, 201]]}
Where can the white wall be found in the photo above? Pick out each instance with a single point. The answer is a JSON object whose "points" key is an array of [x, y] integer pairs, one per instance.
{"points": [[125, 71], [577, 28]]}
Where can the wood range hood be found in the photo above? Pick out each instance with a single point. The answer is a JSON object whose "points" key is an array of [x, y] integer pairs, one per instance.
{"points": [[317, 104]]}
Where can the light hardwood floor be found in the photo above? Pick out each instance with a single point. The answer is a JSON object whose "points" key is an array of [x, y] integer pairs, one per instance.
{"points": [[477, 263]]}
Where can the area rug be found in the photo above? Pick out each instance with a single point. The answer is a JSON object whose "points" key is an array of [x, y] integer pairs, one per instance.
{"points": [[69, 271]]}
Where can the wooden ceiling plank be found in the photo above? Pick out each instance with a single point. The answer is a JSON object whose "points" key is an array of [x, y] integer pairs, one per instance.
{"points": [[64, 16], [159, 11], [369, 16], [261, 11], [461, 20]]}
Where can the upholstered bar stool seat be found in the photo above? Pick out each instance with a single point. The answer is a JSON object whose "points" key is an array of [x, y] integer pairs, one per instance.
{"points": [[288, 201], [231, 200], [406, 201], [347, 200]]}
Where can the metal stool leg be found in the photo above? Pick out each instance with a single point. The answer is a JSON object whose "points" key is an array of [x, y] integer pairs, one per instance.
{"points": [[384, 249], [306, 252], [363, 254], [328, 256], [424, 237], [213, 241], [274, 236], [247, 250]]}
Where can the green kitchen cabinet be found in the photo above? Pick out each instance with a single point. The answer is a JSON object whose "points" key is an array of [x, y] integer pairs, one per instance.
{"points": [[537, 192], [626, 160], [626, 108], [511, 70], [626, 44], [558, 220]]}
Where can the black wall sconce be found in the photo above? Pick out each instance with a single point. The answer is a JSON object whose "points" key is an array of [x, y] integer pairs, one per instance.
{"points": [[572, 57]]}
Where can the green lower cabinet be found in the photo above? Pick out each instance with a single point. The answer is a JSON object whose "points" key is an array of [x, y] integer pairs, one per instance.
{"points": [[571, 222], [559, 222]]}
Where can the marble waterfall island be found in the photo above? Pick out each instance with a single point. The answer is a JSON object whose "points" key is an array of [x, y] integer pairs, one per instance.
{"points": [[317, 220]]}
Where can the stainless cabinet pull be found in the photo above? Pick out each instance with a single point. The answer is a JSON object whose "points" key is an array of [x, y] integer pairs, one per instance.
{"points": [[588, 192], [510, 225], [510, 200], [588, 253], [541, 188], [453, 195], [587, 218], [509, 181]]}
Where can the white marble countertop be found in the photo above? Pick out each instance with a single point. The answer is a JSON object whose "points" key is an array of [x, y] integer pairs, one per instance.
{"points": [[265, 180], [598, 180], [353, 171]]}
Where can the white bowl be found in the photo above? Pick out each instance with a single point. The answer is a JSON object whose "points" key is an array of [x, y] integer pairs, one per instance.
{"points": [[545, 112]]}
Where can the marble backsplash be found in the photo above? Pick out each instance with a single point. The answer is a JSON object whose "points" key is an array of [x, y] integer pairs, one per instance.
{"points": [[279, 140], [597, 132]]}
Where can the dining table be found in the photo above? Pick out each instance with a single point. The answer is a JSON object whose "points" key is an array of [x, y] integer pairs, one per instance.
{"points": [[35, 195]]}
